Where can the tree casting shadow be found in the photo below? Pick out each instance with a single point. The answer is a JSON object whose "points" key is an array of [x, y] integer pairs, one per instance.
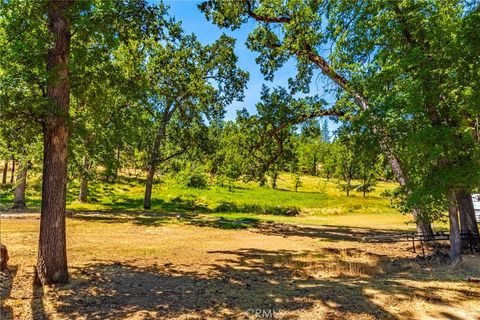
{"points": [[6, 281], [246, 279]]}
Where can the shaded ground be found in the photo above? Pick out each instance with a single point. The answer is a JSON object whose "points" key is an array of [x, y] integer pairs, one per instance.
{"points": [[165, 267]]}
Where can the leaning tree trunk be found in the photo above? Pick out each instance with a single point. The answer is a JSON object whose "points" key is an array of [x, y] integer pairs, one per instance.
{"points": [[83, 194], [155, 157], [19, 193], [5, 171], [147, 200], [423, 226], [468, 221], [12, 173], [52, 249], [455, 242]]}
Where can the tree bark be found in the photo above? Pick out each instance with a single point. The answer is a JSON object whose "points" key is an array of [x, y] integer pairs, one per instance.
{"points": [[468, 221], [455, 241], [423, 227], [5, 171], [364, 180], [12, 173], [155, 157], [118, 162], [52, 249], [83, 194], [19, 193], [147, 200]]}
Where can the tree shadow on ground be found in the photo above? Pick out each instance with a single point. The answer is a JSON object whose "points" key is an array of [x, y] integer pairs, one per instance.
{"points": [[6, 281], [143, 218], [222, 223], [36, 304], [153, 218], [184, 204], [326, 233], [246, 279], [175, 205]]}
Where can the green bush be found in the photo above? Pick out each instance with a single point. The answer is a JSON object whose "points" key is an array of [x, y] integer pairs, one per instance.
{"points": [[193, 178], [255, 208]]}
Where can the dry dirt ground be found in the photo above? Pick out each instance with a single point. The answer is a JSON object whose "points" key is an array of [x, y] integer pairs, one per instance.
{"points": [[122, 269]]}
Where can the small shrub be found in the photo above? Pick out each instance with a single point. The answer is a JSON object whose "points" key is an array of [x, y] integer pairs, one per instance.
{"points": [[193, 178], [355, 207], [188, 202], [253, 208], [283, 211], [177, 199], [197, 181], [226, 207]]}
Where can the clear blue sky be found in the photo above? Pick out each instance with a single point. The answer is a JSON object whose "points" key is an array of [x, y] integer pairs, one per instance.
{"points": [[193, 21]]}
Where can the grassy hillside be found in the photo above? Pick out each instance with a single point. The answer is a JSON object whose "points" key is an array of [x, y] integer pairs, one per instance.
{"points": [[320, 202]]}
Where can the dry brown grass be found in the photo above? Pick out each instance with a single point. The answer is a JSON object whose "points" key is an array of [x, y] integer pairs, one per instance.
{"points": [[126, 270]]}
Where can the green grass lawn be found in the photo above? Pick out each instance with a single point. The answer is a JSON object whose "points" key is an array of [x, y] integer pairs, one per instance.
{"points": [[320, 202]]}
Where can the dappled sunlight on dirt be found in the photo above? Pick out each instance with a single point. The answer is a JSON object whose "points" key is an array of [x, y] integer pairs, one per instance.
{"points": [[182, 271]]}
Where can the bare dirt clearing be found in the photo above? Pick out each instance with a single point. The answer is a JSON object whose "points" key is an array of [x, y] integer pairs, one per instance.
{"points": [[123, 270]]}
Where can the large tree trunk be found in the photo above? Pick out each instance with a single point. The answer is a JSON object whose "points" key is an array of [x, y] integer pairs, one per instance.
{"points": [[19, 193], [468, 221], [5, 172], [423, 227], [52, 249], [83, 194], [455, 241], [12, 173]]}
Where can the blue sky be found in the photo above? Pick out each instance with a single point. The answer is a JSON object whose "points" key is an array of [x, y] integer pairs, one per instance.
{"points": [[193, 21]]}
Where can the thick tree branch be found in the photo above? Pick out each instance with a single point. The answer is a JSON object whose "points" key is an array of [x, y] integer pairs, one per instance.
{"points": [[310, 54], [301, 118], [327, 70], [173, 155], [249, 9], [341, 81]]}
